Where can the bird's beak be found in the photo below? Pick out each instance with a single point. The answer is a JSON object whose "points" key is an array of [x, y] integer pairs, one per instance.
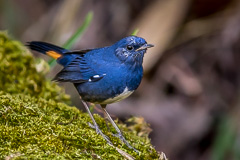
{"points": [[145, 46]]}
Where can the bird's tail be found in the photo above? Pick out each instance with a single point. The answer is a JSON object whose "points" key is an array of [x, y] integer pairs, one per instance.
{"points": [[47, 48]]}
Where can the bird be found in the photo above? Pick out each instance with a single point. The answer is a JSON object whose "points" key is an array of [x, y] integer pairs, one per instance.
{"points": [[101, 75]]}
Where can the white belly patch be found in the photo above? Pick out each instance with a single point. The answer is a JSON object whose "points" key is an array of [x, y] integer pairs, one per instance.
{"points": [[119, 97]]}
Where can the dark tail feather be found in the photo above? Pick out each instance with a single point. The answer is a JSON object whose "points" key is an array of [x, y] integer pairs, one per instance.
{"points": [[47, 48]]}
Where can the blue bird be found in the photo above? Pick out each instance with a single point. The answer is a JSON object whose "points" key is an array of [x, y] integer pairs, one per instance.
{"points": [[102, 75]]}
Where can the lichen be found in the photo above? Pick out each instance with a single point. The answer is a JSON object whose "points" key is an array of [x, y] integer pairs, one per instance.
{"points": [[37, 123]]}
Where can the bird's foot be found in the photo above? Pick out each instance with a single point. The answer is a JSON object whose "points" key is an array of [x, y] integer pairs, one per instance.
{"points": [[91, 125], [120, 136], [100, 132]]}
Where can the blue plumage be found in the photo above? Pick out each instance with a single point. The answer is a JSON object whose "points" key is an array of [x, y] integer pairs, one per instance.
{"points": [[103, 75]]}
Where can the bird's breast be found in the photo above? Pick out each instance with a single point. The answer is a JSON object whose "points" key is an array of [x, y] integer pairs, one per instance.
{"points": [[118, 97], [117, 84]]}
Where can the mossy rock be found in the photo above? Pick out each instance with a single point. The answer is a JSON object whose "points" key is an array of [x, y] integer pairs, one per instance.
{"points": [[37, 123]]}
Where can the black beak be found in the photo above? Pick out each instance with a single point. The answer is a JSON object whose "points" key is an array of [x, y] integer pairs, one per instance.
{"points": [[145, 46]]}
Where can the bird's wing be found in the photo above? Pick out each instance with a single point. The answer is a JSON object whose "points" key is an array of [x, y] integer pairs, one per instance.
{"points": [[78, 70], [69, 56]]}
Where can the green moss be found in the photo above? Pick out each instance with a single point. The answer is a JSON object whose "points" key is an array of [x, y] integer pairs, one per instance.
{"points": [[36, 124], [19, 74]]}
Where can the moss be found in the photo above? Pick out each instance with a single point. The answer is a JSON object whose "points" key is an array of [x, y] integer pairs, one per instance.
{"points": [[36, 122], [19, 73]]}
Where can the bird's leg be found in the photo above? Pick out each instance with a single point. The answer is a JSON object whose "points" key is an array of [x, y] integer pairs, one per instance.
{"points": [[95, 125], [106, 120], [119, 133]]}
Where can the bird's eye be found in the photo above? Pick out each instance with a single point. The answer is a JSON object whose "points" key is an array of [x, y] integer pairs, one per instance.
{"points": [[129, 47]]}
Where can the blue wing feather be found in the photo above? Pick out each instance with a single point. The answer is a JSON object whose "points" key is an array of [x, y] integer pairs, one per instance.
{"points": [[76, 70]]}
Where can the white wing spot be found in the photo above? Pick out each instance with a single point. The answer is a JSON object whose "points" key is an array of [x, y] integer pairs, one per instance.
{"points": [[96, 76]]}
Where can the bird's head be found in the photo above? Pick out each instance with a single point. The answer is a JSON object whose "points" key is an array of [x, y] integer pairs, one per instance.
{"points": [[131, 50]]}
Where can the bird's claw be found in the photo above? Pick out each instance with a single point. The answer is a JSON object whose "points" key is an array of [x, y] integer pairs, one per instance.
{"points": [[91, 125], [120, 136], [100, 132]]}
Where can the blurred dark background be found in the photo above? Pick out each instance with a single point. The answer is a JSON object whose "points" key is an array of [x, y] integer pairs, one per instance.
{"points": [[190, 94]]}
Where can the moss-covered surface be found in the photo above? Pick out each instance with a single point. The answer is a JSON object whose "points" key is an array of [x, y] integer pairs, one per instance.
{"points": [[18, 72], [34, 116]]}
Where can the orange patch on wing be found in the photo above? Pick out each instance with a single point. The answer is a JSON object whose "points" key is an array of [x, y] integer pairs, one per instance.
{"points": [[53, 54]]}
